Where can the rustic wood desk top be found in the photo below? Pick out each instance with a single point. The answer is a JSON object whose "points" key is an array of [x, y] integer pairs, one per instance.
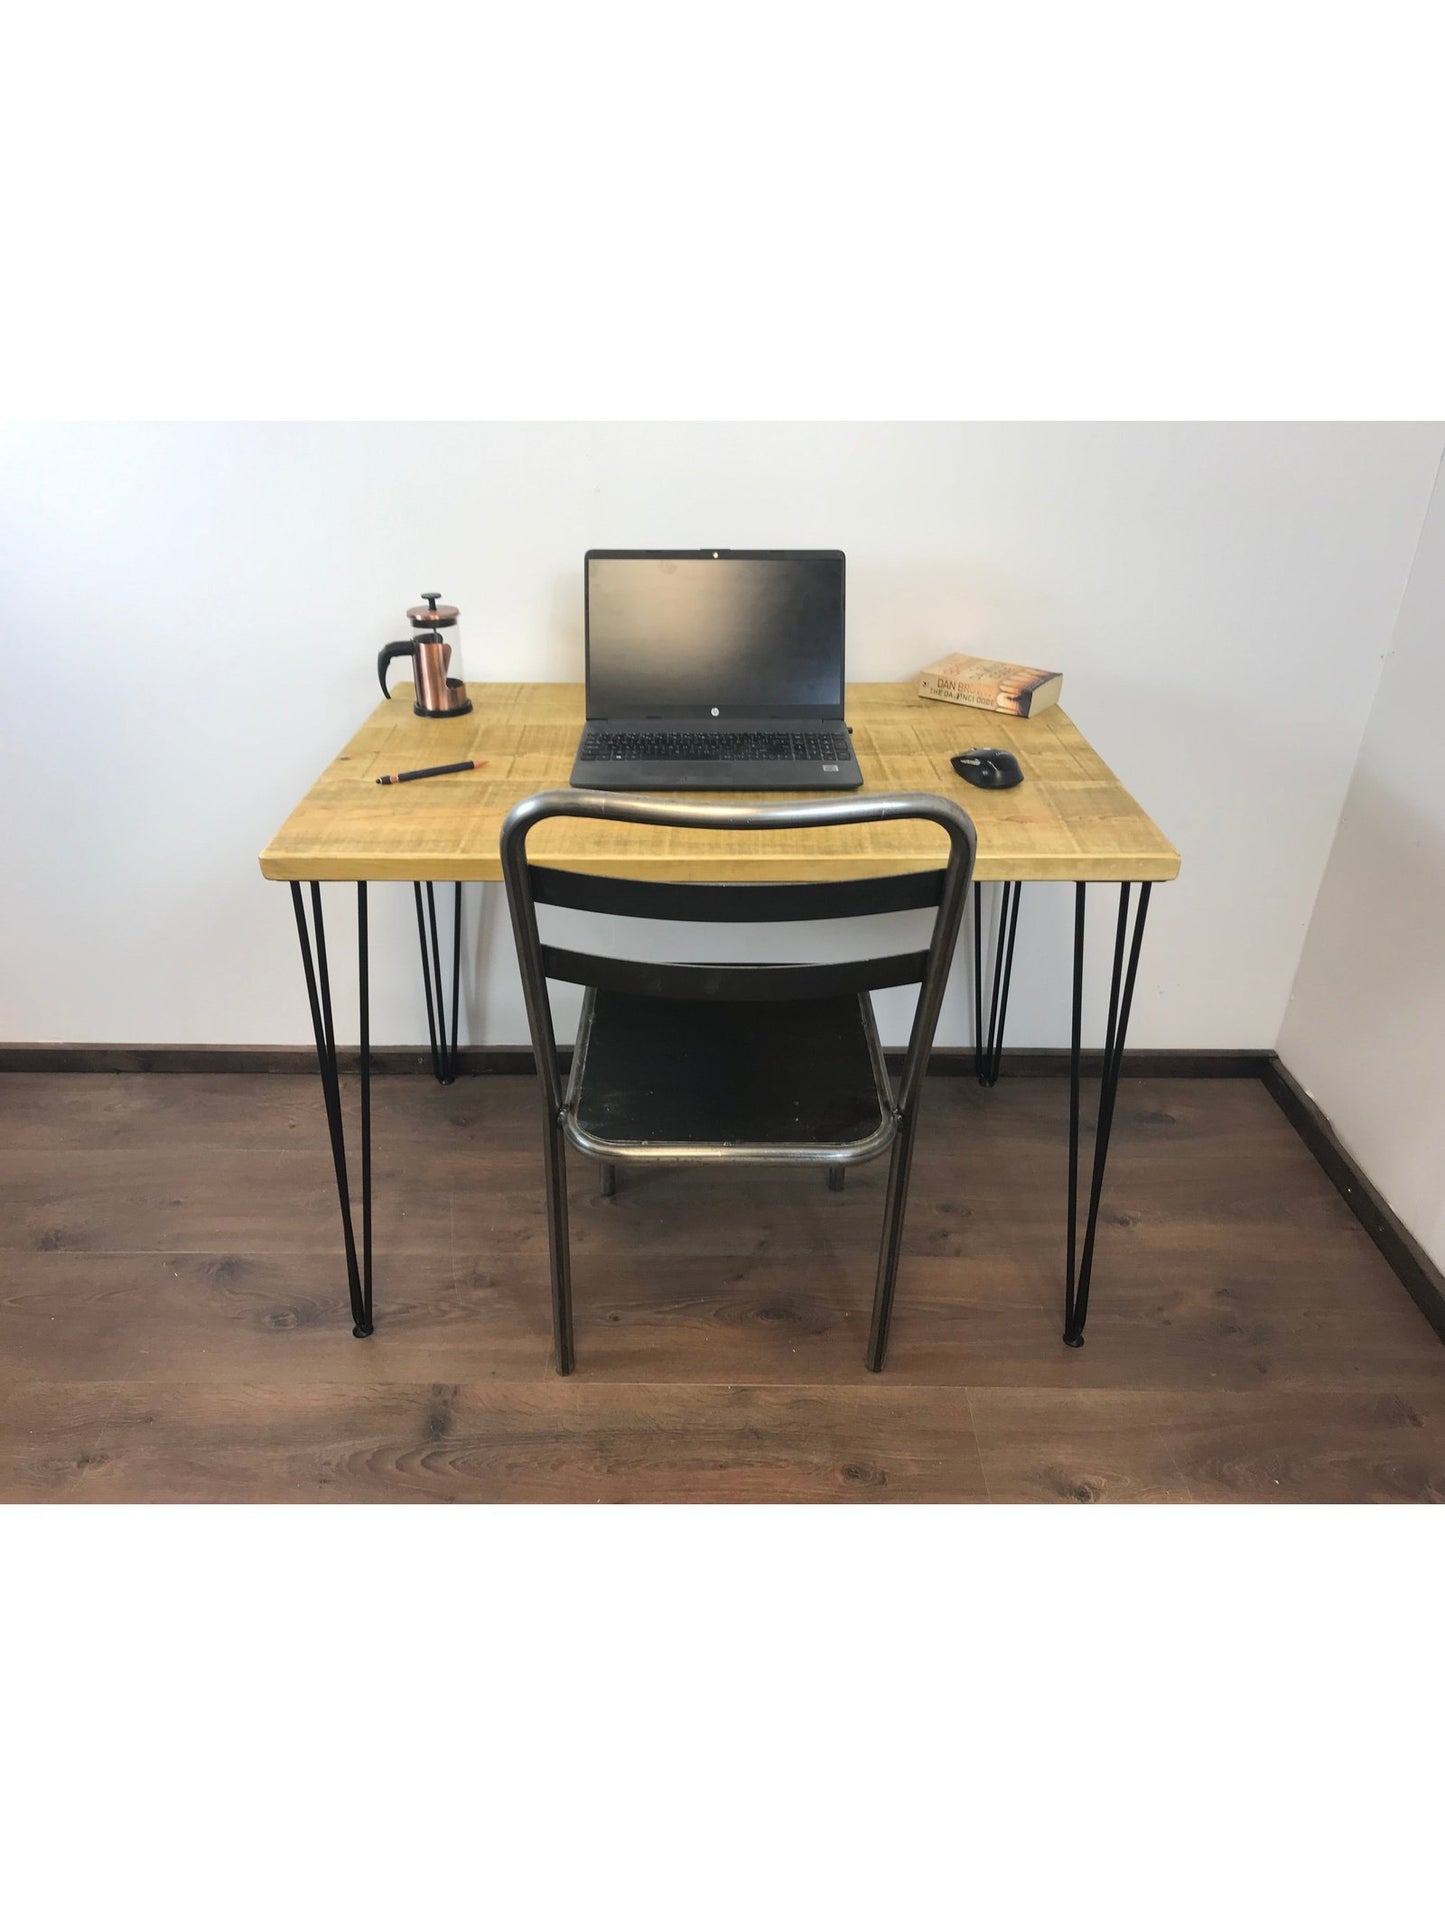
{"points": [[1070, 820]]}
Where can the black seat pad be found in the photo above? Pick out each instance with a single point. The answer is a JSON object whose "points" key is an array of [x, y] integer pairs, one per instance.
{"points": [[660, 1070]]}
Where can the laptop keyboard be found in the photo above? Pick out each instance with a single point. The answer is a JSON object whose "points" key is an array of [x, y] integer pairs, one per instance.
{"points": [[679, 745]]}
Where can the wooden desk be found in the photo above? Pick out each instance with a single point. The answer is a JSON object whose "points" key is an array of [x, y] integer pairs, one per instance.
{"points": [[1071, 820]]}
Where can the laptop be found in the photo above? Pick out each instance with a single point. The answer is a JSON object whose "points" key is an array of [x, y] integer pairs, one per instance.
{"points": [[715, 668]]}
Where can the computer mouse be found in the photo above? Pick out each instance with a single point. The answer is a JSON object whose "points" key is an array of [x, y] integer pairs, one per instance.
{"points": [[988, 768]]}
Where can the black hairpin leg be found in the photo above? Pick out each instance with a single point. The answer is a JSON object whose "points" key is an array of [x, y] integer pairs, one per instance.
{"points": [[988, 1053], [1121, 997], [443, 1043], [318, 992]]}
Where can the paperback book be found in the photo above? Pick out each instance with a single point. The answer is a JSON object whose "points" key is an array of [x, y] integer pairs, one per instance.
{"points": [[977, 683]]}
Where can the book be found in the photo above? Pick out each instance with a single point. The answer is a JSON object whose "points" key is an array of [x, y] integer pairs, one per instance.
{"points": [[1005, 687]]}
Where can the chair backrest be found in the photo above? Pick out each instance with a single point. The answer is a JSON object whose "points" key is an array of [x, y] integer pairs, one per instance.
{"points": [[945, 890]]}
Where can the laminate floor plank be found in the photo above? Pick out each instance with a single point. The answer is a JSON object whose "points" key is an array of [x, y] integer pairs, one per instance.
{"points": [[229, 1111], [225, 1202], [1271, 1446], [1075, 1447], [546, 1441], [72, 1316], [278, 1318]]}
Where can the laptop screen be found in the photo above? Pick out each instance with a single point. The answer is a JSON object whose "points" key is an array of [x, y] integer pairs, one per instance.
{"points": [[731, 633]]}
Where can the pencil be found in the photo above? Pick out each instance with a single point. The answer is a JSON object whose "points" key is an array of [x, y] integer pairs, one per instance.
{"points": [[442, 769]]}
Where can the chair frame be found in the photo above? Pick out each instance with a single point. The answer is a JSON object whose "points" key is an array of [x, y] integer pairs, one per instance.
{"points": [[945, 887]]}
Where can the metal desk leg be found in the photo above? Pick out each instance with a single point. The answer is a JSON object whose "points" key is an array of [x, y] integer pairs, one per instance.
{"points": [[443, 1052], [318, 992], [988, 1055], [1077, 1276]]}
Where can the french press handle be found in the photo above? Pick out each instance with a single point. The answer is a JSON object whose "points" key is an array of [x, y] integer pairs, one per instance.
{"points": [[388, 654]]}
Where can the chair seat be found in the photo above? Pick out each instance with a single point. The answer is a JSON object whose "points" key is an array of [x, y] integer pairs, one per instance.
{"points": [[758, 1082]]}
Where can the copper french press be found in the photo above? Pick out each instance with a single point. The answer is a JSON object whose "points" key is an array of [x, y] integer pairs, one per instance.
{"points": [[437, 693]]}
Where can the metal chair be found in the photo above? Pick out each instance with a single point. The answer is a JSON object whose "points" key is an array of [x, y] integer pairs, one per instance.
{"points": [[771, 1063]]}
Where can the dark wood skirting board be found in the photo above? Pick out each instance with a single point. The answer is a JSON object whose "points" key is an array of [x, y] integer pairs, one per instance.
{"points": [[1410, 1263], [297, 1059], [248, 1059], [1137, 1063]]}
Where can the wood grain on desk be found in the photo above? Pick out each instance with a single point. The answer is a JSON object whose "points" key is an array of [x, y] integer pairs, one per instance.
{"points": [[1070, 820]]}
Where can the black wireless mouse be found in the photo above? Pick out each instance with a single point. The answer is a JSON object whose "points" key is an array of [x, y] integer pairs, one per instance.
{"points": [[988, 768]]}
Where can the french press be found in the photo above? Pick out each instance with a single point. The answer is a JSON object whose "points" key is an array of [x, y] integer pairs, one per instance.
{"points": [[437, 693]]}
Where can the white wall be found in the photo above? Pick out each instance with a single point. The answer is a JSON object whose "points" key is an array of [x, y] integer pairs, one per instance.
{"points": [[191, 614], [1365, 1028]]}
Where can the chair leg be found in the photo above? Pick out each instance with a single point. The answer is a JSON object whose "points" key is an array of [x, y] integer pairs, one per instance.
{"points": [[607, 1180], [837, 1176], [894, 1206], [559, 1247]]}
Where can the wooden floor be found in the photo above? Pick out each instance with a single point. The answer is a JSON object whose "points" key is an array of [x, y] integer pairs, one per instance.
{"points": [[172, 1321]]}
